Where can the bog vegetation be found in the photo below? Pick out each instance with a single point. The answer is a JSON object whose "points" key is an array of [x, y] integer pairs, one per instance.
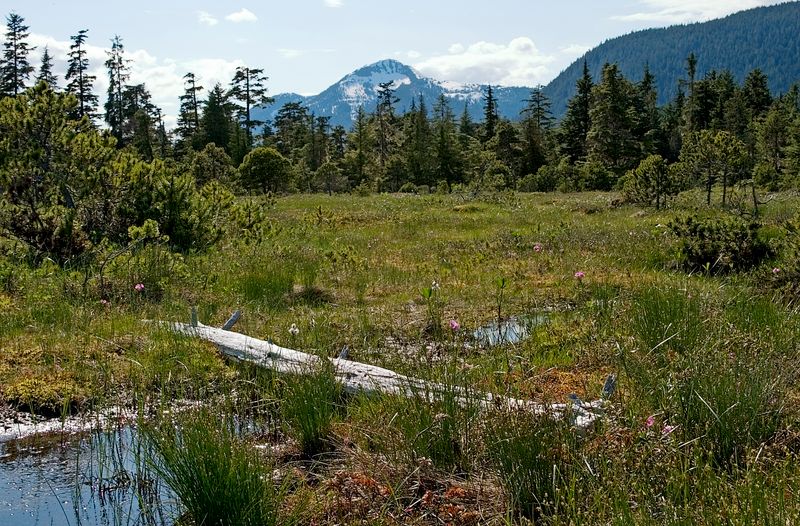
{"points": [[661, 244]]}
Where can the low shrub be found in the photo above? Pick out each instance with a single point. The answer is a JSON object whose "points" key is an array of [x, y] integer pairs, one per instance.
{"points": [[719, 245]]}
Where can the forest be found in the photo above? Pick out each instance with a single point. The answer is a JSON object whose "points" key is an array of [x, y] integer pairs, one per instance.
{"points": [[634, 260]]}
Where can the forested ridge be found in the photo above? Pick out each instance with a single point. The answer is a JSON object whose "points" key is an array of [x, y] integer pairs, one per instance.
{"points": [[764, 37]]}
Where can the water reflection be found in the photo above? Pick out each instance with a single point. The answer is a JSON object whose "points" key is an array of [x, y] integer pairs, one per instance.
{"points": [[99, 479], [510, 331]]}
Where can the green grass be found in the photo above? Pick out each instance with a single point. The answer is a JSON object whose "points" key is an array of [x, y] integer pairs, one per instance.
{"points": [[714, 357]]}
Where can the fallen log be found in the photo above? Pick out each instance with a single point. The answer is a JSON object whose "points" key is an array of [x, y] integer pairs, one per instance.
{"points": [[363, 378]]}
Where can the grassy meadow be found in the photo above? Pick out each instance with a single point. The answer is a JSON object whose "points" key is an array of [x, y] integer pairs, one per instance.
{"points": [[701, 430]]}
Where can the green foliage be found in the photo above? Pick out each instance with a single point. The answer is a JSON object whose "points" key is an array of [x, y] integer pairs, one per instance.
{"points": [[310, 405], [535, 457], [212, 163], [265, 170], [719, 245], [218, 477], [651, 183]]}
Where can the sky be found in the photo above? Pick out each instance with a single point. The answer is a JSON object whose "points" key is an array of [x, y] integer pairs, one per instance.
{"points": [[304, 46]]}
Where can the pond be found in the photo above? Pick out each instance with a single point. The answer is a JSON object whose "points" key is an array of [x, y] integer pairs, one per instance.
{"points": [[94, 479]]}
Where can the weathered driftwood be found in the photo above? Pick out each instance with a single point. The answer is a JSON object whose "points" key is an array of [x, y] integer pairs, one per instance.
{"points": [[359, 377]]}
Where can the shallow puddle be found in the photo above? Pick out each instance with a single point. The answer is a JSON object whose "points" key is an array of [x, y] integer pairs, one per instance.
{"points": [[510, 331], [98, 479]]}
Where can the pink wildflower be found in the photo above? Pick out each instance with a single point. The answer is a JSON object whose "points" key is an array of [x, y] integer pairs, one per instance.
{"points": [[651, 420], [454, 325], [776, 270], [105, 303], [580, 275], [139, 287], [667, 429], [537, 247]]}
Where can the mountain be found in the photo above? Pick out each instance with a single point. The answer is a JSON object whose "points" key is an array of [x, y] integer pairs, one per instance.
{"points": [[764, 37], [342, 100]]}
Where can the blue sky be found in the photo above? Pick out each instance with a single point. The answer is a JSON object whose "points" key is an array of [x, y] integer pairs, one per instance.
{"points": [[306, 45]]}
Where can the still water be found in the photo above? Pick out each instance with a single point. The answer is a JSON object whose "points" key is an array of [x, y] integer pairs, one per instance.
{"points": [[97, 479]]}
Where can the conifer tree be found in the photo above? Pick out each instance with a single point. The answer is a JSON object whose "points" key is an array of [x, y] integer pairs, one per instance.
{"points": [[446, 151], [216, 119], [756, 93], [577, 121], [118, 75], [189, 113], [610, 140], [79, 81], [466, 128], [248, 90], [15, 69], [46, 74], [384, 115], [417, 144], [490, 115], [537, 109], [360, 145]]}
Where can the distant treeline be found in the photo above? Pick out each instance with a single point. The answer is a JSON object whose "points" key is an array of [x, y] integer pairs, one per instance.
{"points": [[67, 182]]}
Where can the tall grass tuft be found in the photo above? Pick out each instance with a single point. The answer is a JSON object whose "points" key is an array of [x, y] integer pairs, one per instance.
{"points": [[219, 479], [441, 425], [533, 455], [666, 319], [310, 405]]}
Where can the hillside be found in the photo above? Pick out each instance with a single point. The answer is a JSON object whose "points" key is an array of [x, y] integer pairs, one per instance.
{"points": [[765, 38]]}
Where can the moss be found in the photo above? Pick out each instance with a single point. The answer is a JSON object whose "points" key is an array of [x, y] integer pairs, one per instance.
{"points": [[48, 396]]}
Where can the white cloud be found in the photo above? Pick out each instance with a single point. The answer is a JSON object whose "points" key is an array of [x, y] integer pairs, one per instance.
{"points": [[242, 15], [163, 77], [206, 18], [575, 50], [456, 48], [518, 63], [334, 3], [683, 11]]}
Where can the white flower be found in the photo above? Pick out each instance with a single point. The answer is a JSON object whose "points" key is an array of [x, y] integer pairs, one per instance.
{"points": [[435, 285], [293, 330]]}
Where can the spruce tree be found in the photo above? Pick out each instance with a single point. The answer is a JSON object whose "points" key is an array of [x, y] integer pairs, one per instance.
{"points": [[79, 81], [247, 91], [538, 109], [577, 121], [216, 119], [447, 154], [384, 115], [756, 93], [14, 66], [118, 75], [46, 74], [189, 113], [490, 115], [610, 140]]}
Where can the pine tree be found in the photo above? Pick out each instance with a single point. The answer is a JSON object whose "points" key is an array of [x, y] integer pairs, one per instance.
{"points": [[247, 91], [490, 115], [610, 140], [538, 109], [360, 146], [14, 66], [446, 151], [46, 74], [417, 144], [466, 128], [756, 93], [216, 119], [384, 115], [79, 81], [189, 113], [647, 119], [577, 121], [118, 74]]}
